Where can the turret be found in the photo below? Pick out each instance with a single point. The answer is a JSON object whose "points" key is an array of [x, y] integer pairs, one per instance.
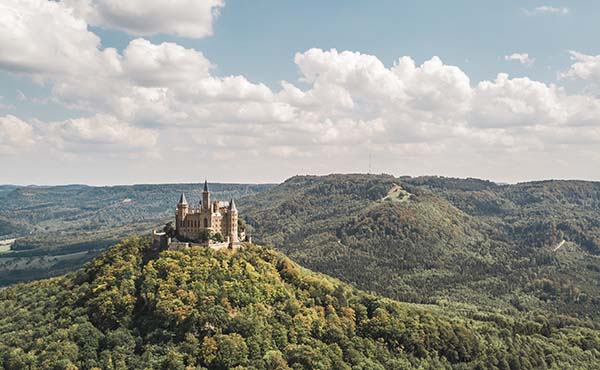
{"points": [[206, 205], [182, 211], [233, 222]]}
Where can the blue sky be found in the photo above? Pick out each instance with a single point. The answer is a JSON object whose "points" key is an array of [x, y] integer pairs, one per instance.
{"points": [[46, 98], [259, 38]]}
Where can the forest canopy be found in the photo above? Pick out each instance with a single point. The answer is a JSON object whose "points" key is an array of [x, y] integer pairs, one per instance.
{"points": [[134, 308]]}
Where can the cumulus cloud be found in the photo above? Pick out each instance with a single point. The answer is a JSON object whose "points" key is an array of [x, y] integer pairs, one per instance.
{"points": [[40, 36], [163, 98], [187, 18], [522, 58], [166, 64], [97, 133], [547, 9], [15, 134], [100, 133], [507, 102], [586, 67]]}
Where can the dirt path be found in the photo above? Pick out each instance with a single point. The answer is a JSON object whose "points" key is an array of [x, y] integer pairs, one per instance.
{"points": [[559, 245]]}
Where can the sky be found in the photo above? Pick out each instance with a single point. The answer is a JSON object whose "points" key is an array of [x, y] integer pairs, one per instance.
{"points": [[146, 91]]}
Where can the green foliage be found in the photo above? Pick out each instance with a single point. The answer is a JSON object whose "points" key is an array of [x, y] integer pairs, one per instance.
{"points": [[256, 309], [217, 237], [428, 239], [67, 222]]}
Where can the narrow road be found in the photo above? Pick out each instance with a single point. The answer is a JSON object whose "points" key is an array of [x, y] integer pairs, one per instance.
{"points": [[559, 245]]}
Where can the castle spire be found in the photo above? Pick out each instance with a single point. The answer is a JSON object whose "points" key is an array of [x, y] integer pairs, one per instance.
{"points": [[206, 206], [182, 199], [232, 205]]}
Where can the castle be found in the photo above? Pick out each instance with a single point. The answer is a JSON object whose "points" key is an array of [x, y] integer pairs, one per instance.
{"points": [[214, 224]]}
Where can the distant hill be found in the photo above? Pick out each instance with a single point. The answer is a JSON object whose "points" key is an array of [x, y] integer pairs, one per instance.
{"points": [[422, 240], [132, 308], [61, 227], [432, 238]]}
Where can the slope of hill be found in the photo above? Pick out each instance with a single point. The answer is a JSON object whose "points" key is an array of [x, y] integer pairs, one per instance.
{"points": [[421, 239], [60, 227], [425, 239], [133, 308]]}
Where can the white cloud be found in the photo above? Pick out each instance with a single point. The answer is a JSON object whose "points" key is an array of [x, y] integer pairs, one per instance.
{"points": [[522, 58], [100, 133], [586, 67], [347, 104], [509, 102], [546, 9], [41, 36], [187, 18], [167, 64], [15, 134], [95, 134]]}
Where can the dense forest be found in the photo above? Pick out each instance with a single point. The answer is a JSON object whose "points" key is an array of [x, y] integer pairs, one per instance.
{"points": [[532, 247], [59, 228], [137, 308]]}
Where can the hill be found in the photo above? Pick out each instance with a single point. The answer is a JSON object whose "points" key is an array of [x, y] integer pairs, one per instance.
{"points": [[133, 308], [431, 238], [58, 228], [420, 240]]}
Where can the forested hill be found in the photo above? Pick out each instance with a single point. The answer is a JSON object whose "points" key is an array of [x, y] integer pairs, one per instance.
{"points": [[421, 239], [533, 247], [133, 308], [58, 228]]}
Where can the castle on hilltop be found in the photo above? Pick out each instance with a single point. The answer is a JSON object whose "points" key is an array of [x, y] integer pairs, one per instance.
{"points": [[211, 223]]}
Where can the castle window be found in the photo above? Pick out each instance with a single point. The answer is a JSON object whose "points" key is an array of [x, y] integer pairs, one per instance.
{"points": [[206, 222]]}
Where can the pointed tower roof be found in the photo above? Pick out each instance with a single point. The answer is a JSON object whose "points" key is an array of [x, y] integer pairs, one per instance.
{"points": [[205, 185], [232, 205], [182, 199]]}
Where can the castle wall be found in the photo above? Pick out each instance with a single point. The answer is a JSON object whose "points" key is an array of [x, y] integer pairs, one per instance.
{"points": [[196, 221], [217, 217]]}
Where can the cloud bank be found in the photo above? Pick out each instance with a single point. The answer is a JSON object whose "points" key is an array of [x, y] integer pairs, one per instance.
{"points": [[163, 102]]}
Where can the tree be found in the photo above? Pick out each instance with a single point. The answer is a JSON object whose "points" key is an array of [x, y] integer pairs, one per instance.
{"points": [[217, 237], [169, 229]]}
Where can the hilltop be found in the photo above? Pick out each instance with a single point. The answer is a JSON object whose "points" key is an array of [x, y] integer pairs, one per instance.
{"points": [[256, 309], [431, 238], [420, 240], [59, 228]]}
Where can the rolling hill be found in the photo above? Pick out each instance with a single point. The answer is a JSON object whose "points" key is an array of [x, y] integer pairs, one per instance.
{"points": [[532, 247], [428, 239], [135, 308], [61, 227]]}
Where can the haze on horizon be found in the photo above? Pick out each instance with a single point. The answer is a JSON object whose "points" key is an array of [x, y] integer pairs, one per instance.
{"points": [[98, 92]]}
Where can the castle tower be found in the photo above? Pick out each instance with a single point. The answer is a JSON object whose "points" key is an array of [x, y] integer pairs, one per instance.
{"points": [[182, 211], [206, 205], [233, 222]]}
